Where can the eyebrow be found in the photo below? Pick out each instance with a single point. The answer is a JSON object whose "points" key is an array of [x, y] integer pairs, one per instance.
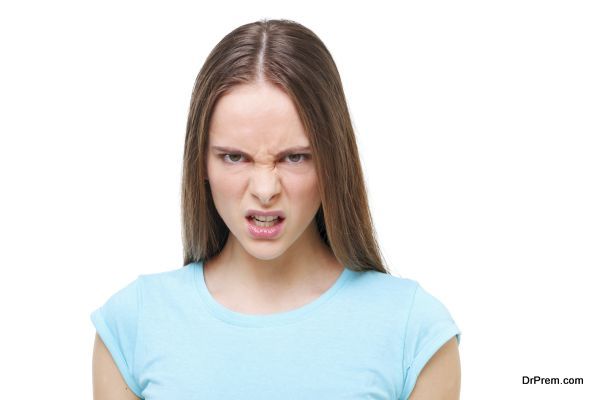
{"points": [[291, 150]]}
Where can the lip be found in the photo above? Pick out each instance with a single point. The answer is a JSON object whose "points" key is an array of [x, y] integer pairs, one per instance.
{"points": [[275, 213], [260, 232]]}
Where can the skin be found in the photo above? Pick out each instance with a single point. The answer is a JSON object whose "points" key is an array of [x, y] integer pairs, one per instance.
{"points": [[254, 276], [264, 276], [106, 377], [258, 276], [261, 276], [440, 377]]}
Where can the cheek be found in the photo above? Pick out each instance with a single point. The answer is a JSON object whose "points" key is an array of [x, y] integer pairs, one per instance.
{"points": [[224, 186], [305, 190], [218, 176]]}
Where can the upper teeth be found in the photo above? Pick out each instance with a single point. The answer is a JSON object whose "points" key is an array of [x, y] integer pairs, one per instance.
{"points": [[265, 219]]}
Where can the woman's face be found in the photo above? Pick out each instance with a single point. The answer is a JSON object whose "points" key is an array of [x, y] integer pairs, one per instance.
{"points": [[250, 168]]}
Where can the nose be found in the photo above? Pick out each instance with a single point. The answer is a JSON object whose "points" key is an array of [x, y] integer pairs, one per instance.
{"points": [[265, 184]]}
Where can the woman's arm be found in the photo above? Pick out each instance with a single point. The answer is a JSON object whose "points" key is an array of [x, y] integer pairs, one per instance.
{"points": [[440, 377], [107, 380]]}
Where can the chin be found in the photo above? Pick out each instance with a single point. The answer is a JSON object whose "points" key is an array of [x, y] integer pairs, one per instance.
{"points": [[265, 251], [266, 255]]}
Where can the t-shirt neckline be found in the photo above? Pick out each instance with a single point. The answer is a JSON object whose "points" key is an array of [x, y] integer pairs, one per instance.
{"points": [[257, 320]]}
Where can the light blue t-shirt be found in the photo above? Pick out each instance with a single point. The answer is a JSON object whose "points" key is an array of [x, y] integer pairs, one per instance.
{"points": [[367, 337]]}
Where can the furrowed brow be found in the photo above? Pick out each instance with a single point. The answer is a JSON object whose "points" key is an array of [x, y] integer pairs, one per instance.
{"points": [[291, 150]]}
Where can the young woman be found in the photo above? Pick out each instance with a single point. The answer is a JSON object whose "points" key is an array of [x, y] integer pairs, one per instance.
{"points": [[283, 294]]}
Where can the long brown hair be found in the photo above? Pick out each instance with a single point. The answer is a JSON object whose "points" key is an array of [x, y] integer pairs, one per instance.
{"points": [[287, 54]]}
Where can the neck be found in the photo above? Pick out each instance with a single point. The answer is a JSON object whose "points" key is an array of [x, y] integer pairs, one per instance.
{"points": [[307, 266]]}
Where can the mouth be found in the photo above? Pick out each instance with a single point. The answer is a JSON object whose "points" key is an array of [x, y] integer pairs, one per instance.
{"points": [[264, 224], [264, 229]]}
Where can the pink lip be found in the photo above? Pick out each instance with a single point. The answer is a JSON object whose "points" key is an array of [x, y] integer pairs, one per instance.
{"points": [[260, 232], [275, 213]]}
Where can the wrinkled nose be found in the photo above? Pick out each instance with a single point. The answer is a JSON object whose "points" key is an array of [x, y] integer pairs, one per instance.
{"points": [[265, 185]]}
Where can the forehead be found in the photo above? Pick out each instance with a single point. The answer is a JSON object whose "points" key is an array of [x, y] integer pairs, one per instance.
{"points": [[256, 113]]}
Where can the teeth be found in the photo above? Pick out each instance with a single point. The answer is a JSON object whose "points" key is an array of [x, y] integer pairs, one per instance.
{"points": [[265, 219], [264, 224]]}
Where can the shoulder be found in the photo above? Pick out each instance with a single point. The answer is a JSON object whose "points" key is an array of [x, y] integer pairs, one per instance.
{"points": [[405, 295], [382, 287], [169, 279], [381, 281], [173, 273], [174, 287], [379, 297], [429, 339]]}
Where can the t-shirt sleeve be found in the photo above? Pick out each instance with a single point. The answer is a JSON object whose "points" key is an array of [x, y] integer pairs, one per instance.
{"points": [[429, 326], [117, 324]]}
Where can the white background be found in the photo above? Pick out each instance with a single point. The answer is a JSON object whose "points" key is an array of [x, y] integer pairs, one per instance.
{"points": [[478, 128]]}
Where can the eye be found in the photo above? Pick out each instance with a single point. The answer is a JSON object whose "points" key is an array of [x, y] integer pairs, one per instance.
{"points": [[234, 158], [295, 160]]}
